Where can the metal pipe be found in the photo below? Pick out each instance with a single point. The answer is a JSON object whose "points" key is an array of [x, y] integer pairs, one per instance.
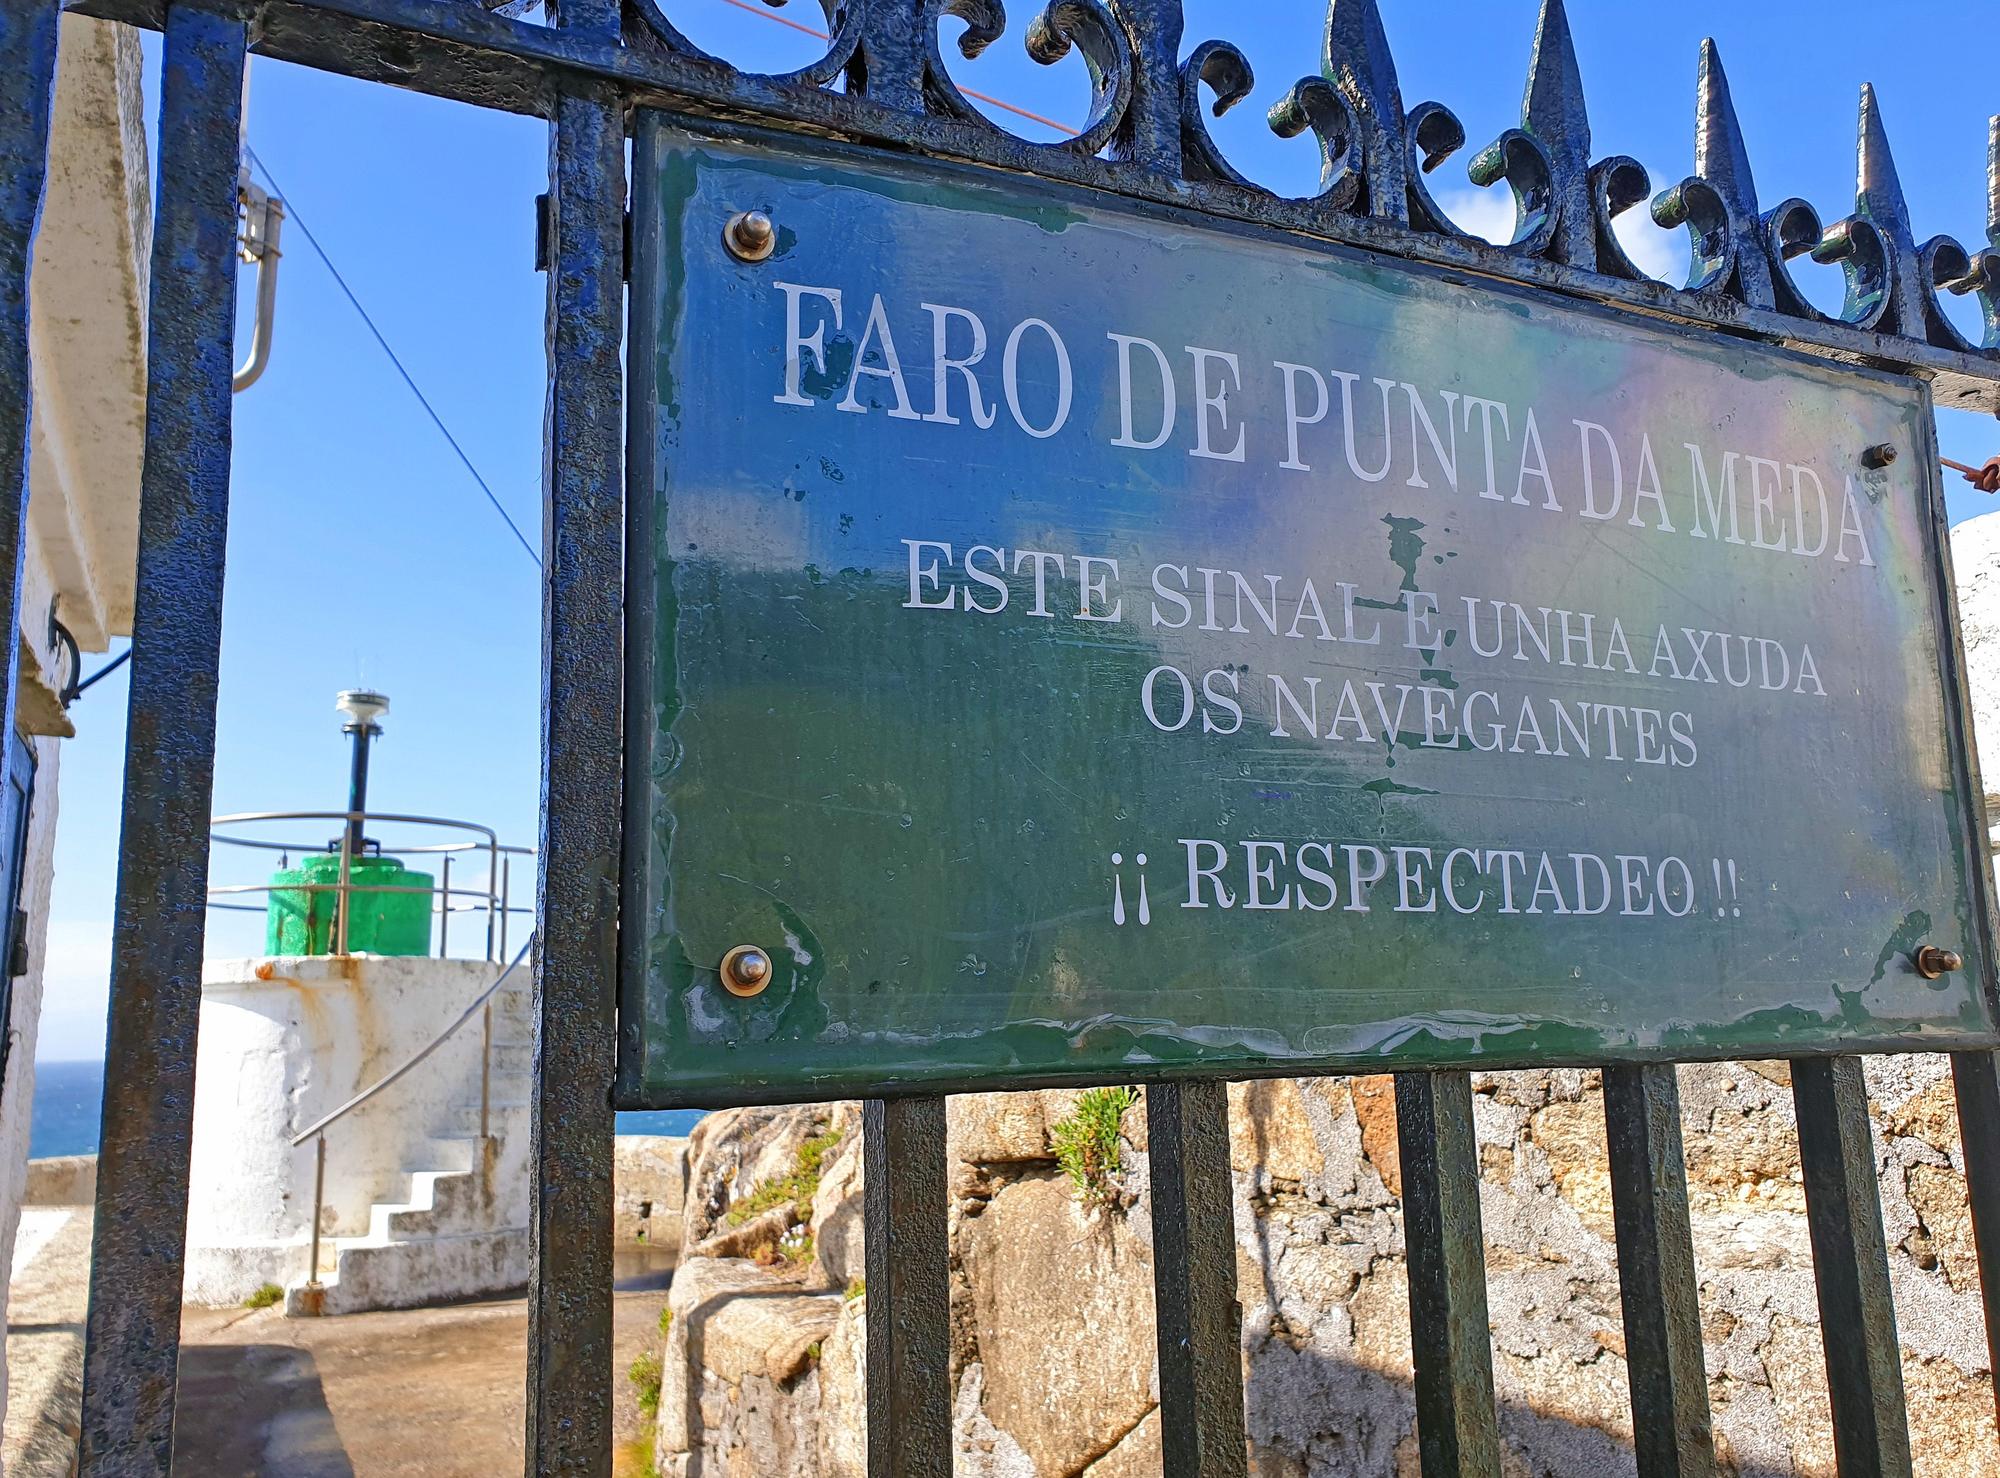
{"points": [[357, 783], [492, 882], [486, 1071], [444, 912], [319, 1203], [506, 866], [263, 220], [340, 896]]}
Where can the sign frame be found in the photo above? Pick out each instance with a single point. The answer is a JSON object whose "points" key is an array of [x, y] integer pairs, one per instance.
{"points": [[637, 1088]]}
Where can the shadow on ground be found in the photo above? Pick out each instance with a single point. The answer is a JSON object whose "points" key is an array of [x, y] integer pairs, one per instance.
{"points": [[248, 1410]]}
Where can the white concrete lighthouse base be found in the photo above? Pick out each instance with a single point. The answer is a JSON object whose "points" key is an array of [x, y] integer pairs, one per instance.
{"points": [[425, 1196]]}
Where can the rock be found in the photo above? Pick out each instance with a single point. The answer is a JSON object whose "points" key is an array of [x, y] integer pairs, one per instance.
{"points": [[1019, 1128], [1063, 1319], [982, 1450], [734, 1151], [1137, 1454], [1375, 1108], [773, 1334], [649, 1185], [1572, 1135], [757, 1239], [739, 1382], [1270, 1134], [837, 1218], [996, 1128], [843, 1395]]}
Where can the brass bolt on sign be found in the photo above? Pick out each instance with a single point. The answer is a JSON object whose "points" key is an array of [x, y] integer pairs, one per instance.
{"points": [[746, 970], [750, 236], [1876, 457], [1931, 962]]}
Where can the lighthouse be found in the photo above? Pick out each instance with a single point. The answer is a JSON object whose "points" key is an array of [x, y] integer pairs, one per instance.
{"points": [[361, 1094]]}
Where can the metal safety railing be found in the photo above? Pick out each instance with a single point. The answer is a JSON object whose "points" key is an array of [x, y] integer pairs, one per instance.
{"points": [[481, 1007], [494, 900]]}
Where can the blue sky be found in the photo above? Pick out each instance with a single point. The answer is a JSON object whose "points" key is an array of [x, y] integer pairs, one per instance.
{"points": [[360, 551]]}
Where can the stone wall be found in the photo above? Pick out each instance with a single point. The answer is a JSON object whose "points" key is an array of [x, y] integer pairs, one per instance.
{"points": [[649, 1187], [1052, 1303]]}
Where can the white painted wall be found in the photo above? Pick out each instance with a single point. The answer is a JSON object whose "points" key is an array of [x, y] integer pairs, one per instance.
{"points": [[285, 1042]]}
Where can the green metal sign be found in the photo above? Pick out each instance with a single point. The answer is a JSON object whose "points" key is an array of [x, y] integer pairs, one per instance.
{"points": [[1072, 641]]}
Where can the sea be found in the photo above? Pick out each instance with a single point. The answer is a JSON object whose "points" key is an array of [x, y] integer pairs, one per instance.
{"points": [[68, 1095]]}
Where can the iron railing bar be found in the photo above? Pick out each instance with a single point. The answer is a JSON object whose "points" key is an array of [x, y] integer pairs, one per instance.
{"points": [[569, 1405], [340, 894], [479, 1003], [227, 889], [241, 818], [1864, 1370], [492, 892], [1197, 1319], [486, 1070], [1458, 1433], [1672, 1431], [138, 1244], [313, 849], [319, 1208], [906, 1251], [1976, 1083]]}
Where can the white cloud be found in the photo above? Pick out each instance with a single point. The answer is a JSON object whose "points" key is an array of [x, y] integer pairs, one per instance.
{"points": [[1656, 252], [1489, 215]]}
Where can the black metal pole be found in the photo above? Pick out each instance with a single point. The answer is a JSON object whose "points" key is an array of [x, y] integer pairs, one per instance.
{"points": [[357, 783]]}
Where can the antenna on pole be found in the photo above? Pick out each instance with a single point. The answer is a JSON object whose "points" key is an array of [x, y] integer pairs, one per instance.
{"points": [[361, 707]]}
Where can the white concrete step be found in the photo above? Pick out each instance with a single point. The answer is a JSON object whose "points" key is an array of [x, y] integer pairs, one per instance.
{"points": [[443, 1203], [373, 1274]]}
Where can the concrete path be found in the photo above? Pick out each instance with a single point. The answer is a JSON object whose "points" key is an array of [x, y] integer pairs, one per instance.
{"points": [[50, 1284], [422, 1393]]}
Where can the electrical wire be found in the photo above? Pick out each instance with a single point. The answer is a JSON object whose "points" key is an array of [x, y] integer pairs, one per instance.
{"points": [[292, 214], [298, 220]]}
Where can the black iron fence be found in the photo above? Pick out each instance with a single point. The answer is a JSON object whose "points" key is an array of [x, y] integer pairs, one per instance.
{"points": [[882, 82]]}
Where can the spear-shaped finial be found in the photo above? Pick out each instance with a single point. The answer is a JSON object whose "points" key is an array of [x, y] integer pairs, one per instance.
{"points": [[1553, 111], [1720, 155], [1879, 200], [1357, 60], [1722, 162], [1879, 187]]}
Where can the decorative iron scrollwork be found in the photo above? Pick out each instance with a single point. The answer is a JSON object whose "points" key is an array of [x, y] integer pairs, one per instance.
{"points": [[1148, 111]]}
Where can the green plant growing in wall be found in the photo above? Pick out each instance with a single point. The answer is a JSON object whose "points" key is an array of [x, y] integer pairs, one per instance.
{"points": [[646, 1372], [798, 1186], [264, 1297], [1087, 1141]]}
